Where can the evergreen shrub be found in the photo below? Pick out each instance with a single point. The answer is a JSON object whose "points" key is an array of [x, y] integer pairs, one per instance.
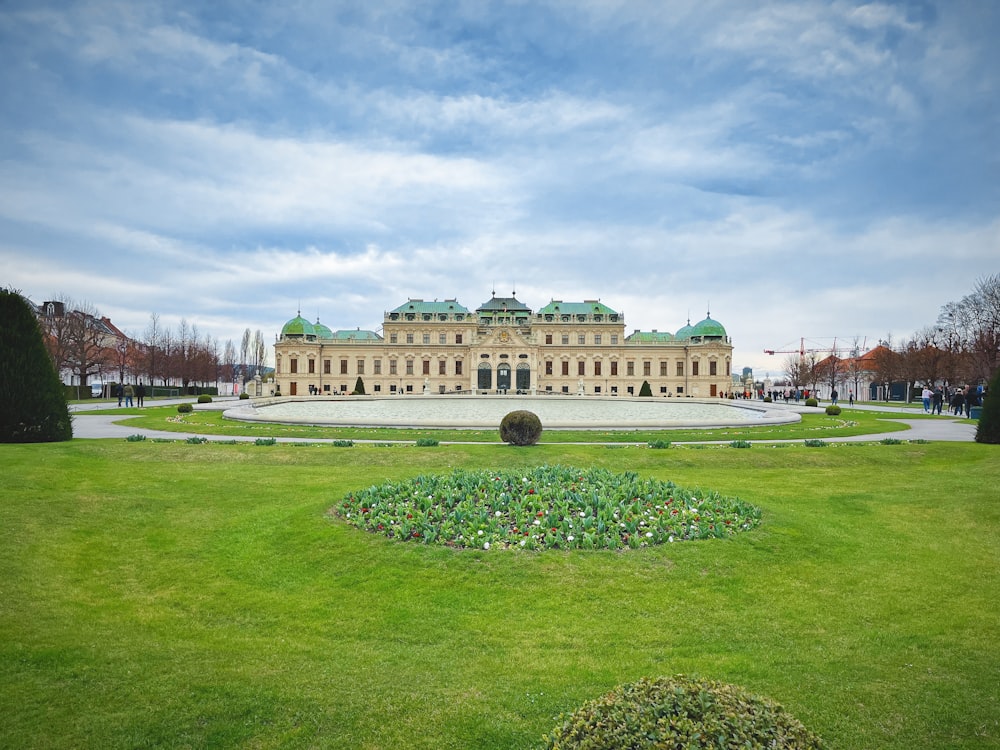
{"points": [[659, 443], [33, 405], [359, 387], [204, 399], [427, 443], [521, 427], [812, 402], [767, 399], [680, 712], [184, 408], [645, 390], [244, 395], [265, 441], [833, 410], [988, 430]]}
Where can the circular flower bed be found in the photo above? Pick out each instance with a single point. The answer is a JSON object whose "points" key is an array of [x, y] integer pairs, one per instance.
{"points": [[547, 507]]}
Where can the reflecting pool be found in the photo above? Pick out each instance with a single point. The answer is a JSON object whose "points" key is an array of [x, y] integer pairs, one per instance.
{"points": [[485, 412]]}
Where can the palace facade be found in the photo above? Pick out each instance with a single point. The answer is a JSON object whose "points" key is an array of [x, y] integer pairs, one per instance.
{"points": [[435, 346]]}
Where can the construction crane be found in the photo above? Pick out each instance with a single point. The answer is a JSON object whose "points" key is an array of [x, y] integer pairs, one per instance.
{"points": [[802, 351]]}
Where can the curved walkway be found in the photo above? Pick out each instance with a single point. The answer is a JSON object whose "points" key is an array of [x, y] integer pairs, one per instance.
{"points": [[94, 422]]}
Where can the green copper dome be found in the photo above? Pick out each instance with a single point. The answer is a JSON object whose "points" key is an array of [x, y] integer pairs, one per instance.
{"points": [[709, 328], [684, 332], [298, 326], [322, 332]]}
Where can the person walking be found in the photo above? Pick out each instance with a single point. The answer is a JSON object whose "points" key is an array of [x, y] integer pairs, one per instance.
{"points": [[120, 393], [925, 396], [129, 392], [140, 394], [937, 400]]}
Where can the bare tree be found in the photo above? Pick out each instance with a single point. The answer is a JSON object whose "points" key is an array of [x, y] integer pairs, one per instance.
{"points": [[229, 365], [153, 348], [88, 343], [245, 357], [974, 322], [258, 352]]}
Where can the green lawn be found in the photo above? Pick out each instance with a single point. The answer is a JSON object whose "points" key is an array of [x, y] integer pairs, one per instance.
{"points": [[175, 595]]}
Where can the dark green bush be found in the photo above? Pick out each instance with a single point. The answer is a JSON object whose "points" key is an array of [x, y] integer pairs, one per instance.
{"points": [[767, 400], [33, 405], [812, 402], [815, 443], [343, 443], [645, 390], [659, 443], [680, 712], [833, 410], [988, 430], [359, 387], [137, 438], [265, 441], [427, 443], [196, 440], [521, 427], [184, 408], [204, 399], [740, 444], [244, 395]]}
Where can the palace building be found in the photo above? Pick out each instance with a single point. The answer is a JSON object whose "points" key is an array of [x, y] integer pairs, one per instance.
{"points": [[577, 348]]}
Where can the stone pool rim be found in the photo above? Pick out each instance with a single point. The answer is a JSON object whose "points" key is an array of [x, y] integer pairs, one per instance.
{"points": [[769, 414]]}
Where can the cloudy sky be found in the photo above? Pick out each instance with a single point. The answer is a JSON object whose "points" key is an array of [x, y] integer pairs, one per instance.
{"points": [[803, 169]]}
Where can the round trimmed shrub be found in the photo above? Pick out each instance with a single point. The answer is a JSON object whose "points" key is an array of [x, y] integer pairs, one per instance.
{"points": [[812, 402], [678, 712], [521, 427], [988, 429], [833, 410], [244, 395], [204, 399], [184, 408]]}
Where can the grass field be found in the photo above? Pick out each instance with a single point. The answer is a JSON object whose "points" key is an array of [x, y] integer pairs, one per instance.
{"points": [[175, 595]]}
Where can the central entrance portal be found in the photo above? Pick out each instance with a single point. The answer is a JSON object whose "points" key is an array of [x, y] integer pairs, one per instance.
{"points": [[503, 377]]}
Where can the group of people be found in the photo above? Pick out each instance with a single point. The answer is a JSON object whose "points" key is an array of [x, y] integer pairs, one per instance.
{"points": [[960, 401], [127, 392]]}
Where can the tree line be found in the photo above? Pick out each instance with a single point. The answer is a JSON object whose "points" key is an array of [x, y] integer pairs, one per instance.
{"points": [[88, 347], [961, 348]]}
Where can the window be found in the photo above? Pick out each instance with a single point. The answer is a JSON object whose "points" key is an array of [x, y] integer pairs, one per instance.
{"points": [[565, 338], [458, 338], [548, 338], [361, 367], [581, 339], [377, 366], [646, 368], [426, 367], [312, 366], [713, 368], [680, 369], [581, 368], [663, 368], [548, 368], [614, 339], [409, 338], [293, 365], [694, 368], [597, 339], [442, 364], [427, 338], [565, 368], [680, 390], [409, 367], [597, 367], [458, 367], [614, 367], [392, 367], [442, 338], [392, 338], [326, 367], [630, 368], [343, 367]]}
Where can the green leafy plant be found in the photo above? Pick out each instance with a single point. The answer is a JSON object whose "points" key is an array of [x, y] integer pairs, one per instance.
{"points": [[812, 401], [891, 441], [521, 427], [135, 438], [265, 441], [659, 444], [833, 410], [196, 440], [741, 444], [427, 443], [815, 443], [546, 507], [33, 405], [988, 429], [204, 398], [184, 408], [680, 712], [343, 443]]}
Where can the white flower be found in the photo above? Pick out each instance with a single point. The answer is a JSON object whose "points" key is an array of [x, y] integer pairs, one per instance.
{"points": [[479, 533], [537, 522], [497, 513], [522, 542], [649, 534], [582, 514], [569, 538], [670, 539], [486, 545]]}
